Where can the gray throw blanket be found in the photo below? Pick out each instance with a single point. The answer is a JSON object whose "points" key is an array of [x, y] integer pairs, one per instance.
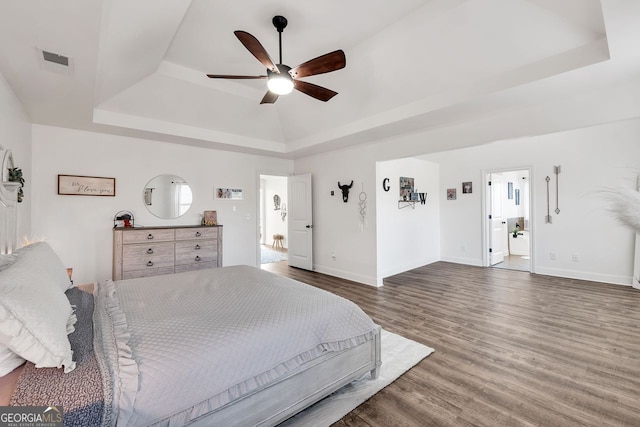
{"points": [[80, 392]]}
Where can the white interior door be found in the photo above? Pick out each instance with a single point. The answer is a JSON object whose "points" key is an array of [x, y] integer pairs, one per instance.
{"points": [[300, 221], [497, 223]]}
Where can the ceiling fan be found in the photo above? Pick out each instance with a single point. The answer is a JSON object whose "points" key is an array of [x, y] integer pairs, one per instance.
{"points": [[282, 79]]}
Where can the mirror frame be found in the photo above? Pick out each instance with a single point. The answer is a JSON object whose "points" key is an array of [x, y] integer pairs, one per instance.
{"points": [[148, 196]]}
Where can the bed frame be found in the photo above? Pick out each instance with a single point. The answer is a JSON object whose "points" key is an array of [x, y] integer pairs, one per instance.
{"points": [[310, 383]]}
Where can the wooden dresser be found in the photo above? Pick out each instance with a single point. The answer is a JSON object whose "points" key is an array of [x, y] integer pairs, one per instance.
{"points": [[153, 251]]}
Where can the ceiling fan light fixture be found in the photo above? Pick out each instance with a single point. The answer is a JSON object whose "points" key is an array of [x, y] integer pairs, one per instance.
{"points": [[280, 85], [282, 79], [280, 82]]}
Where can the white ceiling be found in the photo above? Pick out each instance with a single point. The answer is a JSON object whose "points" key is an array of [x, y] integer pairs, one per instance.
{"points": [[139, 66]]}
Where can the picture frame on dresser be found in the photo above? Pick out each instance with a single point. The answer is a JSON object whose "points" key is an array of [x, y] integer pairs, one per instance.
{"points": [[210, 218]]}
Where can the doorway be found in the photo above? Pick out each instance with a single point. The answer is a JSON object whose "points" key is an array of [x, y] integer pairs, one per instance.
{"points": [[273, 223], [508, 224]]}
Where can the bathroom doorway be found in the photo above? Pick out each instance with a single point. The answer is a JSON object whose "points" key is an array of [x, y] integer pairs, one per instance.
{"points": [[508, 225]]}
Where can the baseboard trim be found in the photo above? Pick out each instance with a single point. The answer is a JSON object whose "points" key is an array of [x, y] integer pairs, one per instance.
{"points": [[613, 279], [365, 280], [466, 261], [406, 267]]}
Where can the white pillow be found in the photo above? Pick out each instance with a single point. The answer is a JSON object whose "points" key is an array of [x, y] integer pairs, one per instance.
{"points": [[8, 360], [6, 260], [44, 260], [35, 314]]}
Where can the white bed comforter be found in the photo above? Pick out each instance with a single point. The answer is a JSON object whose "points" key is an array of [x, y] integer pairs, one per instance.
{"points": [[179, 346]]}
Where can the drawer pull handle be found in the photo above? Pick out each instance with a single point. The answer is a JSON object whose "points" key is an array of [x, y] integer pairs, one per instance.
{"points": [[150, 264], [149, 251], [150, 236], [197, 247], [198, 234], [198, 258]]}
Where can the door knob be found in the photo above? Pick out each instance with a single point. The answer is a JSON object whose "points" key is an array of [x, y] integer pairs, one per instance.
{"points": [[309, 226]]}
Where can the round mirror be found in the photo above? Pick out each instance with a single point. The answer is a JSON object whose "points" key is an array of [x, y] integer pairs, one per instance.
{"points": [[167, 196]]}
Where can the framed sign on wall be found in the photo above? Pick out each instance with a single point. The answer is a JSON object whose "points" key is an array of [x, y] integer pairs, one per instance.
{"points": [[75, 185]]}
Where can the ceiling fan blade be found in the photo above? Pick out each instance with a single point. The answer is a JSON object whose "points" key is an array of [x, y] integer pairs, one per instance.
{"points": [[227, 76], [322, 64], [315, 91], [253, 45], [269, 98]]}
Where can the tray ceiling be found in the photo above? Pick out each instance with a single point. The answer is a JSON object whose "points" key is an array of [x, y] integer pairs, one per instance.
{"points": [[139, 67]]}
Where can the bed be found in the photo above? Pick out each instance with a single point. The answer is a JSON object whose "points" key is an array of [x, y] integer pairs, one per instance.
{"points": [[227, 346]]}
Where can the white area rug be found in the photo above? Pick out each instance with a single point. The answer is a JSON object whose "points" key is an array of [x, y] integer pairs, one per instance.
{"points": [[268, 255], [399, 354]]}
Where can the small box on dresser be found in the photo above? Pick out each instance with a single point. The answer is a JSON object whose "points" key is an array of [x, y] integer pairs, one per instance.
{"points": [[153, 251]]}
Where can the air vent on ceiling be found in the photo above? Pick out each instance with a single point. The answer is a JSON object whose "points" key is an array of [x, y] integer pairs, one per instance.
{"points": [[54, 57], [55, 62]]}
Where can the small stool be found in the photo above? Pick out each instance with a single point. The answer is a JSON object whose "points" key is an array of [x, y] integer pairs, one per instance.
{"points": [[277, 241]]}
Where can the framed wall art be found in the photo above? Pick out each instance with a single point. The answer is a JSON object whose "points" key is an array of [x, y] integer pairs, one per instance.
{"points": [[77, 185], [229, 193], [406, 188], [451, 193], [467, 187]]}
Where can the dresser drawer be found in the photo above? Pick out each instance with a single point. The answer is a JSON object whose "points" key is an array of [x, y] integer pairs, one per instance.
{"points": [[147, 263], [149, 235], [147, 251], [147, 273], [196, 266], [196, 246], [196, 257], [196, 233]]}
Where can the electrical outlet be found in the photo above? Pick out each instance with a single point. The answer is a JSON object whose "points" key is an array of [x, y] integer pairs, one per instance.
{"points": [[552, 256], [333, 255], [463, 248], [575, 258]]}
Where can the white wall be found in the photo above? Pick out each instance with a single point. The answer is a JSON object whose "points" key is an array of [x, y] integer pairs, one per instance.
{"points": [[274, 224], [79, 228], [65, 220], [336, 225], [15, 135], [592, 159], [407, 237]]}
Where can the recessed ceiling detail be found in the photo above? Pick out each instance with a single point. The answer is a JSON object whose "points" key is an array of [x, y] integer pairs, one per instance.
{"points": [[414, 65]]}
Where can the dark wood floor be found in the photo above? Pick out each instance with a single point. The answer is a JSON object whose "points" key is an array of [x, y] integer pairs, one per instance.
{"points": [[512, 348]]}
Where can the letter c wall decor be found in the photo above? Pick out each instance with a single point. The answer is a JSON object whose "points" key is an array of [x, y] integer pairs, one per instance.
{"points": [[385, 184]]}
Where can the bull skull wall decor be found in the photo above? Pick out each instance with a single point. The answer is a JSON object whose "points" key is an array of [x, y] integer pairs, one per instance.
{"points": [[345, 191]]}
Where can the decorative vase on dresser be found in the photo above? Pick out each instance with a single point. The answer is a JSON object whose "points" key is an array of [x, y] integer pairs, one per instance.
{"points": [[153, 251]]}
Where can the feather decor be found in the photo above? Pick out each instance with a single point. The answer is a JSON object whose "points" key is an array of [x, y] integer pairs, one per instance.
{"points": [[626, 206]]}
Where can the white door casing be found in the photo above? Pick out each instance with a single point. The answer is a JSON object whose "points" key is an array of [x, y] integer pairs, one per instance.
{"points": [[300, 221], [497, 232]]}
